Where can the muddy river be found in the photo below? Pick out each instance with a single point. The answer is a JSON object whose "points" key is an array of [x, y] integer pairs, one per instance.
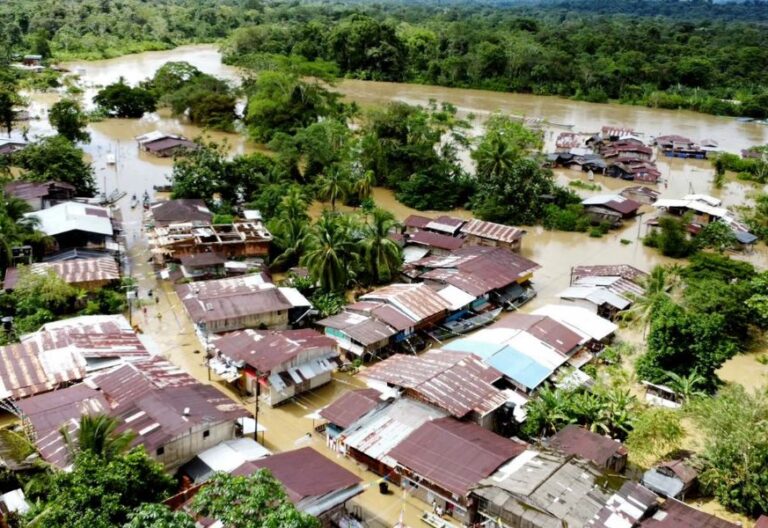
{"points": [[136, 172]]}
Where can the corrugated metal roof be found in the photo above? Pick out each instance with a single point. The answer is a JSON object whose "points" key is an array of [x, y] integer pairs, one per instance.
{"points": [[519, 367], [377, 434], [416, 221], [445, 224], [304, 473], [555, 334], [596, 295], [180, 211], [435, 240], [417, 301], [675, 514], [454, 455], [579, 319], [73, 216], [457, 382], [625, 507], [269, 350], [492, 231], [26, 190], [575, 440], [351, 406]]}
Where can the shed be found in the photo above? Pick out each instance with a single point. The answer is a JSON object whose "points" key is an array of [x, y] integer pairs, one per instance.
{"points": [[671, 479], [351, 407]]}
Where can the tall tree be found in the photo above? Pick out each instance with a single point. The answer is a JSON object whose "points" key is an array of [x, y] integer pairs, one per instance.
{"points": [[97, 435], [56, 158], [333, 186], [8, 101], [381, 256], [69, 120], [330, 255]]}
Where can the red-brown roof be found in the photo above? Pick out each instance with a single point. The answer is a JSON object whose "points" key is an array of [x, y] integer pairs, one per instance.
{"points": [[555, 334], [266, 350], [435, 240], [575, 440], [492, 231], [181, 210], [29, 190], [456, 382], [304, 473], [675, 514], [75, 271], [762, 522], [202, 259], [417, 221], [454, 455], [351, 406], [167, 143]]}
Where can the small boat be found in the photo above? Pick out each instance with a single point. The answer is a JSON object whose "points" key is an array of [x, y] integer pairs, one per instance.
{"points": [[113, 197], [146, 200], [134, 201], [111, 159], [462, 326]]}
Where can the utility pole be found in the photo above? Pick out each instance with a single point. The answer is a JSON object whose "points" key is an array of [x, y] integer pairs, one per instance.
{"points": [[256, 409]]}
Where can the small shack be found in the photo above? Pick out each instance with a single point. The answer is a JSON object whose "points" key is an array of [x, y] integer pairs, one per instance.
{"points": [[672, 479], [604, 452]]}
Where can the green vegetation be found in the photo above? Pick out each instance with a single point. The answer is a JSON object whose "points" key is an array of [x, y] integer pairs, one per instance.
{"points": [[735, 426], [699, 317], [206, 100], [754, 169], [255, 501], [69, 120], [17, 230], [120, 100], [56, 158]]}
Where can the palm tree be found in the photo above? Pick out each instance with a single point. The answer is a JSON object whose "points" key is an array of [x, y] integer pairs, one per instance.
{"points": [[548, 410], [494, 158], [97, 434], [333, 186], [663, 282], [364, 184], [687, 387], [294, 205], [330, 258], [382, 256], [290, 236]]}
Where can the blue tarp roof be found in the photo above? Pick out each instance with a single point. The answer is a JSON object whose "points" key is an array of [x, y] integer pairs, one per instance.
{"points": [[479, 348], [519, 367]]}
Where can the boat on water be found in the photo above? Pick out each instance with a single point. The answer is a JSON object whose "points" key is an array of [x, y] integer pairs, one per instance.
{"points": [[113, 197], [134, 202], [111, 159], [146, 200], [462, 326]]}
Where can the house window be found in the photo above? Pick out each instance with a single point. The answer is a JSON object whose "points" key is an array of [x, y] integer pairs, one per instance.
{"points": [[160, 451], [206, 433]]}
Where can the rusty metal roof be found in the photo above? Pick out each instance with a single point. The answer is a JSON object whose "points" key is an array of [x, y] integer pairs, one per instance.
{"points": [[454, 381], [383, 312], [231, 298], [454, 455], [435, 240], [675, 514], [351, 406], [181, 210], [304, 473], [575, 440], [202, 259], [28, 368], [492, 231], [417, 301], [416, 221], [544, 328], [26, 190], [267, 350], [75, 271], [477, 270], [624, 271]]}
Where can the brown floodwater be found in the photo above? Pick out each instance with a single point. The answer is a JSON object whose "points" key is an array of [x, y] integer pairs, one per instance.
{"points": [[557, 252]]}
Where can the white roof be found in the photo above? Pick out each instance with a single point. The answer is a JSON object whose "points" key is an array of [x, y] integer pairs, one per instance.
{"points": [[696, 205], [74, 216], [495, 336], [231, 454], [152, 136], [252, 214], [596, 295], [455, 297], [710, 200], [414, 253], [15, 502], [294, 296], [601, 199], [537, 350], [579, 319]]}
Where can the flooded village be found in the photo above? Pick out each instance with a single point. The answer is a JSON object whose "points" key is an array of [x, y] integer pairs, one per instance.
{"points": [[404, 407]]}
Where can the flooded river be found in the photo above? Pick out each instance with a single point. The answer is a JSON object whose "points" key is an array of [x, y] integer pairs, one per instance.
{"points": [[557, 252]]}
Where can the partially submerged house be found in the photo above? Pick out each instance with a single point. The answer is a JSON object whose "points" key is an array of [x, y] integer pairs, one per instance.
{"points": [[481, 233], [674, 146], [441, 461], [457, 383], [417, 301], [286, 363], [348, 409], [88, 274], [446, 225], [250, 301], [672, 478], [179, 211], [165, 145], [8, 146], [236, 240], [203, 266], [641, 194], [41, 195], [434, 243], [77, 225], [611, 208], [604, 452], [605, 289], [487, 274]]}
